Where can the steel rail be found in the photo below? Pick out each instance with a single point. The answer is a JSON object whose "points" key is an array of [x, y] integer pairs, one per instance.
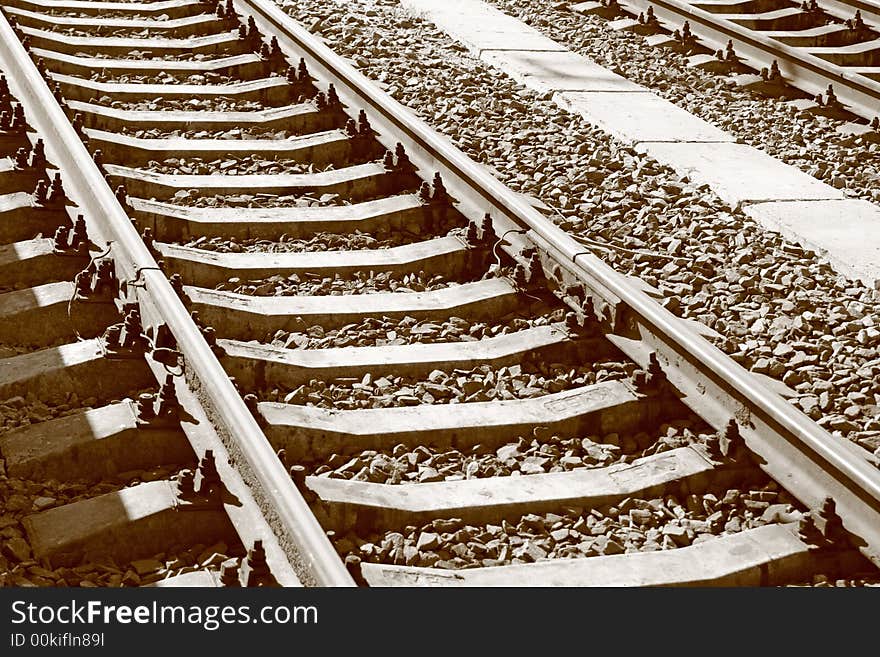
{"points": [[800, 455], [844, 9], [313, 556], [800, 69]]}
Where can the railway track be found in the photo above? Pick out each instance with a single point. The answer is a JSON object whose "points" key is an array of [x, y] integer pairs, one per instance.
{"points": [[830, 49], [113, 475], [412, 373]]}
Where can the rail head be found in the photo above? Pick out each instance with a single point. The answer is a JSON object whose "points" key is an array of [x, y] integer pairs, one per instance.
{"points": [[808, 460]]}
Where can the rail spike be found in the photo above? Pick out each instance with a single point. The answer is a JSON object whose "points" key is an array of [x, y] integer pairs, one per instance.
{"points": [[651, 380], [254, 571]]}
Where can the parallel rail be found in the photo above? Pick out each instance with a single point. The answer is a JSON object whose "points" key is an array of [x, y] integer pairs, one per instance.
{"points": [[808, 72]]}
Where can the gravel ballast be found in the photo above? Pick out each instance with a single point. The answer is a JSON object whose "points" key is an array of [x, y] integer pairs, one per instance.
{"points": [[539, 453], [532, 378], [385, 331], [383, 238], [631, 525], [18, 567], [781, 309], [804, 139]]}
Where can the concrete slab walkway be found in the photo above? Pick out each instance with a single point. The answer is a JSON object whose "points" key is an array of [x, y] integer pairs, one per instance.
{"points": [[778, 196]]}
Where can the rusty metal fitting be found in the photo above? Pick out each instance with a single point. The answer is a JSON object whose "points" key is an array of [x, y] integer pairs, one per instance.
{"points": [[265, 51], [401, 159], [651, 379], [654, 368], [22, 157], [332, 96], [98, 159], [242, 32], [168, 404], [122, 196], [829, 522], [713, 447], [520, 276], [41, 192], [535, 267], [254, 570], [78, 123], [177, 285], [648, 18], [186, 483], [220, 12], [230, 8], [210, 336], [572, 323], [856, 23], [686, 37], [440, 194], [363, 125], [18, 120], [209, 480], [164, 346], [831, 99], [112, 337], [772, 74], [809, 533], [38, 154], [252, 403], [351, 130], [733, 440], [425, 193], [298, 475], [5, 120], [4, 86], [105, 277], [132, 330], [487, 229], [80, 233], [275, 49], [145, 407], [56, 190], [303, 71], [82, 284], [473, 235], [321, 100], [589, 309], [229, 573], [730, 54], [61, 239], [149, 240]]}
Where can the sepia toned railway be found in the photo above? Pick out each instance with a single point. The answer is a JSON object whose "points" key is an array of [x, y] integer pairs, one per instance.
{"points": [[262, 326], [830, 49]]}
